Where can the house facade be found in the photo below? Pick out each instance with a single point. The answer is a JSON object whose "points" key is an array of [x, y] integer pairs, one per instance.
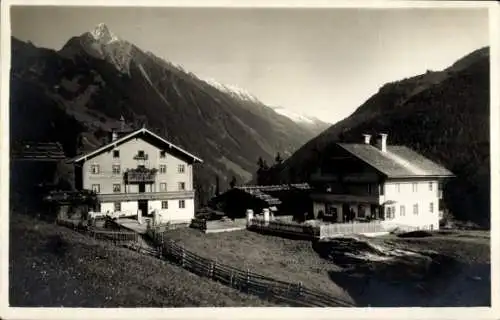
{"points": [[365, 181], [140, 173]]}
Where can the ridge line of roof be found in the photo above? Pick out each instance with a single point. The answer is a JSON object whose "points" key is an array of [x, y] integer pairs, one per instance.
{"points": [[127, 136], [344, 145]]}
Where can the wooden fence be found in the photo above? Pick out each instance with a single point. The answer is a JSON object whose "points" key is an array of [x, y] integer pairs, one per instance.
{"points": [[311, 231], [112, 236], [334, 229], [294, 294], [283, 227]]}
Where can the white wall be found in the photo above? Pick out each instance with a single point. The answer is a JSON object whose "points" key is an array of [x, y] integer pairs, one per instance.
{"points": [[107, 206], [174, 213], [128, 150], [317, 207], [129, 207], [404, 195]]}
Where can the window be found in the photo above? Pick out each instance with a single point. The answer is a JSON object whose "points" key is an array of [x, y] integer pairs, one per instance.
{"points": [[140, 153], [116, 153], [182, 186], [414, 187], [181, 168], [117, 187], [163, 186], [118, 207], [163, 154], [116, 169], [398, 187], [94, 169], [369, 189], [402, 211], [431, 207], [163, 168], [96, 188], [390, 212], [415, 209], [164, 204], [381, 189], [182, 204]]}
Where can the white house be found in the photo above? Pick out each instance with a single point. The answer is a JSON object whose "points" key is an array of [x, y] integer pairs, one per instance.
{"points": [[394, 184], [140, 174]]}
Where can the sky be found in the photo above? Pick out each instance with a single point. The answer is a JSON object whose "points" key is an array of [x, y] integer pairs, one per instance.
{"points": [[323, 63]]}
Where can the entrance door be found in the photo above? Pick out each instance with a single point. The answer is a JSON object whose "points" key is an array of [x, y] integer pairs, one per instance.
{"points": [[331, 213], [142, 187], [143, 206], [346, 209]]}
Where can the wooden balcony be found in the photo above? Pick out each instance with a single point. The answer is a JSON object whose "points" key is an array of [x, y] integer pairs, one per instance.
{"points": [[351, 177], [111, 197], [140, 175], [141, 157], [346, 198]]}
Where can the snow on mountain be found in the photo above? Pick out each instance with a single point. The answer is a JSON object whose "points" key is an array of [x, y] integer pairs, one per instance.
{"points": [[101, 33], [231, 89], [294, 116]]}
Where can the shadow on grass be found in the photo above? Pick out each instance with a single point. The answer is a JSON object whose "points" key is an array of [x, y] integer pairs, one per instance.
{"points": [[427, 279], [291, 236]]}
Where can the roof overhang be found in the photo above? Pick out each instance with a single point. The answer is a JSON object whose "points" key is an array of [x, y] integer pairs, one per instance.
{"points": [[118, 141], [422, 177]]}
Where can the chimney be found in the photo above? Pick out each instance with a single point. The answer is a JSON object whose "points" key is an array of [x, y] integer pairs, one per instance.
{"points": [[382, 142], [114, 135], [367, 138], [122, 123]]}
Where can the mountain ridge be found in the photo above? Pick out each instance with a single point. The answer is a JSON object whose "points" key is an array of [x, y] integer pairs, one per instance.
{"points": [[91, 83]]}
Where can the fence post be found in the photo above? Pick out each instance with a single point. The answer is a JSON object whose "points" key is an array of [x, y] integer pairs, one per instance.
{"points": [[231, 279], [212, 270], [183, 256], [248, 279], [162, 243]]}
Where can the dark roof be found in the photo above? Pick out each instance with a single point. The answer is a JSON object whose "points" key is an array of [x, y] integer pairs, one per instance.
{"points": [[262, 192], [257, 193], [281, 187], [38, 151], [396, 161]]}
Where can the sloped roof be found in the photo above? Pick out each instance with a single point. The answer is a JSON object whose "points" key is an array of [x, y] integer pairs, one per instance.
{"points": [[396, 161], [131, 135], [257, 193], [262, 192], [38, 151], [281, 187]]}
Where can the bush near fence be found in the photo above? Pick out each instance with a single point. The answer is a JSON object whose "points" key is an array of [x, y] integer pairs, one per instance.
{"points": [[198, 223], [244, 280]]}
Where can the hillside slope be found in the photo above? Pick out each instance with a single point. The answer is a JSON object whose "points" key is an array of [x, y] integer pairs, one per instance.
{"points": [[83, 89], [53, 266], [443, 114]]}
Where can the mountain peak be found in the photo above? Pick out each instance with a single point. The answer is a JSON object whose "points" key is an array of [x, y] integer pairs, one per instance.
{"points": [[102, 33]]}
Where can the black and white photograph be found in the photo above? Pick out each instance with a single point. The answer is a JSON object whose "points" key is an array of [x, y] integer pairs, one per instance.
{"points": [[319, 157]]}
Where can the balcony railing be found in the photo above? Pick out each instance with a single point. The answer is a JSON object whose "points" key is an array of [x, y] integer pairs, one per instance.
{"points": [[111, 197], [141, 157], [140, 175], [346, 198]]}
